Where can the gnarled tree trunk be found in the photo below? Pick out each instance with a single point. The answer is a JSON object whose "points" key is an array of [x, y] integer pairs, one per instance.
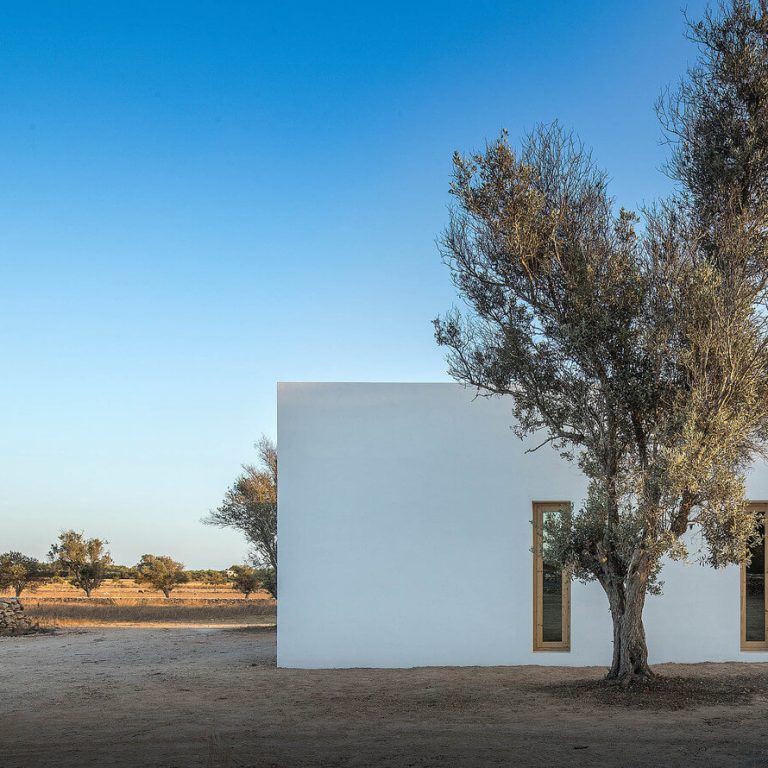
{"points": [[626, 597]]}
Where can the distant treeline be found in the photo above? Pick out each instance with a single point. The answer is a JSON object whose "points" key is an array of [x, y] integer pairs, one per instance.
{"points": [[203, 576], [48, 570], [86, 564]]}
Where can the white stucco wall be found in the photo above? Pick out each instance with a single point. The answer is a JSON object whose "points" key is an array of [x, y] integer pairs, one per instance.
{"points": [[405, 535]]}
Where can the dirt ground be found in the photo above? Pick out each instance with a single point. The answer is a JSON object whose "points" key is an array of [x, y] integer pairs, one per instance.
{"points": [[147, 698]]}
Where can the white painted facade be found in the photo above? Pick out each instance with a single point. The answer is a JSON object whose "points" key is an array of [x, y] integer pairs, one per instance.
{"points": [[405, 539]]}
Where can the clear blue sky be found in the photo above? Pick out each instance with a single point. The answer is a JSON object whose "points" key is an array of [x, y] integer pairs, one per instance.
{"points": [[200, 199]]}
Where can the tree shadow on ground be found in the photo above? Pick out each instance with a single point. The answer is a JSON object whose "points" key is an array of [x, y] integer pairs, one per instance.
{"points": [[665, 692]]}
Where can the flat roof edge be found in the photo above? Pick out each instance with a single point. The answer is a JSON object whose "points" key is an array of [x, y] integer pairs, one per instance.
{"points": [[294, 382]]}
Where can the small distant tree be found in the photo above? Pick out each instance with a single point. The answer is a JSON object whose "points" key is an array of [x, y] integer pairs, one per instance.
{"points": [[83, 561], [18, 572], [161, 572], [250, 506], [268, 577], [246, 579]]}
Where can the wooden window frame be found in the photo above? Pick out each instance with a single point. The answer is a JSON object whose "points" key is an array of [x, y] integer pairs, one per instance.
{"points": [[753, 645], [564, 645]]}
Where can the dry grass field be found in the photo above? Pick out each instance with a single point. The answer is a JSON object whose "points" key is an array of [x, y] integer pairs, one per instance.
{"points": [[203, 698], [128, 588], [123, 603]]}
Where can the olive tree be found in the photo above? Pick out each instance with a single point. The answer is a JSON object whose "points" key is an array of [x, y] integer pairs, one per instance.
{"points": [[18, 572], [250, 506], [83, 561], [637, 346], [246, 579], [160, 572]]}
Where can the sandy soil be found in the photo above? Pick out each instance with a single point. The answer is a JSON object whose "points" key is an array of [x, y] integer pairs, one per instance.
{"points": [[204, 697]]}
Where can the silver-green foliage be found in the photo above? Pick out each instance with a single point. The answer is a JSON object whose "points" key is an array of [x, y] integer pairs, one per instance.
{"points": [[637, 345]]}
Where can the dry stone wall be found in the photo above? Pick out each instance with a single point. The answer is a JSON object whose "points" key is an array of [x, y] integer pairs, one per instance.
{"points": [[12, 619]]}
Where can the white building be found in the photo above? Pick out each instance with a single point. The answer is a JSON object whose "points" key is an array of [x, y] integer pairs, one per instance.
{"points": [[405, 529]]}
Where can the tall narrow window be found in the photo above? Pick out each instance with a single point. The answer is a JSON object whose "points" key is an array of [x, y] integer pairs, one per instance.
{"points": [[551, 586], [753, 603]]}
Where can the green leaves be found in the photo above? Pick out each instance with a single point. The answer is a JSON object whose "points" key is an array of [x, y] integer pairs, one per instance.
{"points": [[18, 572], [83, 561], [250, 506], [161, 572], [637, 346]]}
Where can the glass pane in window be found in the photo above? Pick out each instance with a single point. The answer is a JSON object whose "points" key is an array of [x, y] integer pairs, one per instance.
{"points": [[552, 593], [755, 597]]}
